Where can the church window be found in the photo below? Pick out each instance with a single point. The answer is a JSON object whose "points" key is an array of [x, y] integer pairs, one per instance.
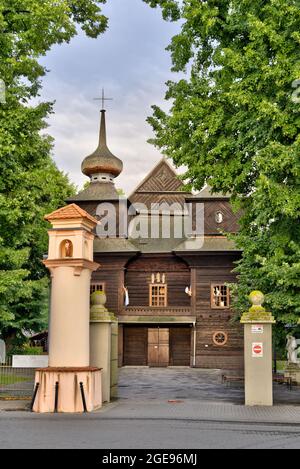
{"points": [[96, 286], [158, 295], [220, 296]]}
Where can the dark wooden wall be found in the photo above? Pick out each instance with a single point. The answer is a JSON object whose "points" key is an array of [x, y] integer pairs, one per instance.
{"points": [[180, 346], [211, 227], [216, 269], [111, 273], [135, 346], [120, 212], [138, 277]]}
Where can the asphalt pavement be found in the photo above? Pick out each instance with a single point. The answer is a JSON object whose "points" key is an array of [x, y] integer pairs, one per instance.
{"points": [[162, 409]]}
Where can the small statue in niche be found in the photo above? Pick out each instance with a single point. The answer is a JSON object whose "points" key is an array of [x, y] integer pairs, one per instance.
{"points": [[67, 250], [292, 348]]}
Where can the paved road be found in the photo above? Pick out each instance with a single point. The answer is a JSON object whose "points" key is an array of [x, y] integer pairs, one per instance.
{"points": [[19, 430], [190, 383], [163, 409]]}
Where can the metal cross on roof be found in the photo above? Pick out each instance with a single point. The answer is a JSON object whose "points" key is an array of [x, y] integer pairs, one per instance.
{"points": [[103, 99]]}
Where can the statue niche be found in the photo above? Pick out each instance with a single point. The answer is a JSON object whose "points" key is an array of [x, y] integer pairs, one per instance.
{"points": [[66, 249]]}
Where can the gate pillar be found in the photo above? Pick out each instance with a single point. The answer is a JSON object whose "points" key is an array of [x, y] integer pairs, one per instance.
{"points": [[104, 344], [258, 353]]}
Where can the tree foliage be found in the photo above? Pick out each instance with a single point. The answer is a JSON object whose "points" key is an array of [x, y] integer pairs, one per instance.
{"points": [[30, 183], [170, 8], [234, 122]]}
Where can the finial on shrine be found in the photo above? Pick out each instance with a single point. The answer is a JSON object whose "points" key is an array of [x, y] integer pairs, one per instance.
{"points": [[103, 99]]}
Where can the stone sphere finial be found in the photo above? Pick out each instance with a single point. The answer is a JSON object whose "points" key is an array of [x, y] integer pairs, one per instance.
{"points": [[257, 312], [98, 298], [99, 313], [257, 298]]}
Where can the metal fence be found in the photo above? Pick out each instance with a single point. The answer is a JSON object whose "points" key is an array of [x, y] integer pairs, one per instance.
{"points": [[16, 383]]}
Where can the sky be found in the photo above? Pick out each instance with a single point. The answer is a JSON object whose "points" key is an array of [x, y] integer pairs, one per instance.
{"points": [[131, 63]]}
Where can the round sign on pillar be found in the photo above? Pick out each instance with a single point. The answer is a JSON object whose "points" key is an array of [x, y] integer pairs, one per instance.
{"points": [[257, 350]]}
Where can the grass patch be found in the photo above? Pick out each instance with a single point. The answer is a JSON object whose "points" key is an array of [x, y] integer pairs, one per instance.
{"points": [[12, 379], [281, 365]]}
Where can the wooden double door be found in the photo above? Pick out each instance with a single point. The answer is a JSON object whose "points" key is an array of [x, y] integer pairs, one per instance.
{"points": [[157, 346]]}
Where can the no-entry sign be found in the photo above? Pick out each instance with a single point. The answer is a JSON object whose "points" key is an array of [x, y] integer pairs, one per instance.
{"points": [[257, 350]]}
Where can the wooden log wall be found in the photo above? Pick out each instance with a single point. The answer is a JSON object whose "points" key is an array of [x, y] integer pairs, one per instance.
{"points": [[138, 277], [209, 320]]}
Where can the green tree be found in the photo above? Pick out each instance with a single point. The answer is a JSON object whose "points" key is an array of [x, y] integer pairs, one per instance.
{"points": [[234, 122], [30, 183]]}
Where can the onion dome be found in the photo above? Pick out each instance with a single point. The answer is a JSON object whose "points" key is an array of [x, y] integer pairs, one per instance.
{"points": [[102, 162]]}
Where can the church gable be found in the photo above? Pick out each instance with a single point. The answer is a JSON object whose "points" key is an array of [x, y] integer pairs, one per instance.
{"points": [[161, 179], [162, 185]]}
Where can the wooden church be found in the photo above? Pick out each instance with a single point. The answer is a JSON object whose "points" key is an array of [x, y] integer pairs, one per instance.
{"points": [[170, 293]]}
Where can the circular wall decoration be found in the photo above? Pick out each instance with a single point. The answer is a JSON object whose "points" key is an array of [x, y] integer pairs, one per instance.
{"points": [[219, 217], [220, 338]]}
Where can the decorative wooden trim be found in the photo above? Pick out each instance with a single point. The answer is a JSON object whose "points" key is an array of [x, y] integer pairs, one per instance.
{"points": [[157, 319], [153, 175], [220, 344], [136, 311]]}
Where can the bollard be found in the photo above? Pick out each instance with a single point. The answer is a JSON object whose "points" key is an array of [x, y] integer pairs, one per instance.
{"points": [[56, 397], [34, 396], [83, 398]]}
